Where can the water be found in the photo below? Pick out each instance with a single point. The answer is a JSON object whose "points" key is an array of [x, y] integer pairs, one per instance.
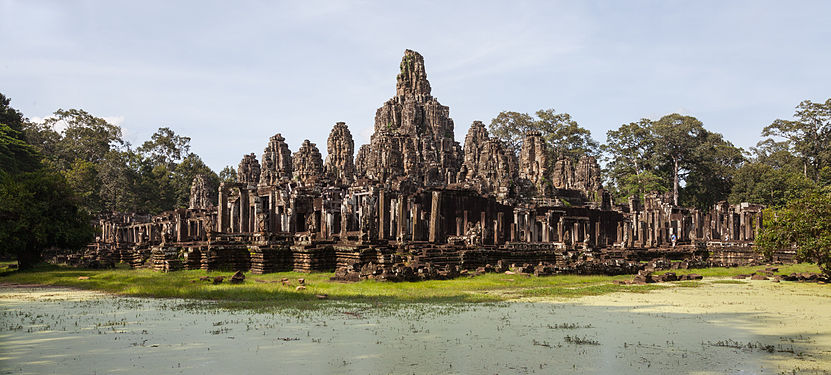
{"points": [[683, 330]]}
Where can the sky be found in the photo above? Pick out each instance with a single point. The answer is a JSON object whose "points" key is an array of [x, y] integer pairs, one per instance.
{"points": [[231, 74]]}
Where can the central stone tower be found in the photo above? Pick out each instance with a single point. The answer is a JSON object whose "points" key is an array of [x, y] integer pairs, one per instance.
{"points": [[413, 136]]}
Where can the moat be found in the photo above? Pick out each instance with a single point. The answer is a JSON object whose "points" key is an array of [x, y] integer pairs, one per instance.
{"points": [[747, 327]]}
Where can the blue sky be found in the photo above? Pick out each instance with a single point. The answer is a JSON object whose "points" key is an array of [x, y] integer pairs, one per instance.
{"points": [[231, 74]]}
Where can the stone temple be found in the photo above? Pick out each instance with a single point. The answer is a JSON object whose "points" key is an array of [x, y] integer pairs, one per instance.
{"points": [[416, 204]]}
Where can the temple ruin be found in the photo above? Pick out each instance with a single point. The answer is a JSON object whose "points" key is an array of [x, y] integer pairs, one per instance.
{"points": [[415, 204]]}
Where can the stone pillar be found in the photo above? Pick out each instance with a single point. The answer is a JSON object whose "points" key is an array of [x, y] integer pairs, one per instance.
{"points": [[415, 231], [222, 209], [256, 211], [435, 218], [496, 234], [325, 219], [500, 228], [402, 217], [575, 238], [483, 223], [180, 225], [515, 227], [242, 206], [641, 232], [731, 226], [383, 222]]}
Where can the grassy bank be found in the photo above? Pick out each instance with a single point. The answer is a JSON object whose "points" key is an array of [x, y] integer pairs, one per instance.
{"points": [[262, 291]]}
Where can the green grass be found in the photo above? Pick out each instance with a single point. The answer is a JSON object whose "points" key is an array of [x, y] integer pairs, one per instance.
{"points": [[729, 282], [6, 264], [687, 284], [270, 293]]}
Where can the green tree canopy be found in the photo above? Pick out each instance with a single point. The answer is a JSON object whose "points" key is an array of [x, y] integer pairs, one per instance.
{"points": [[562, 134], [228, 174], [776, 155], [674, 153], [184, 174], [38, 209], [109, 176], [10, 116], [165, 147], [808, 136], [16, 154], [710, 177], [676, 138], [804, 224], [630, 160], [758, 182], [84, 137]]}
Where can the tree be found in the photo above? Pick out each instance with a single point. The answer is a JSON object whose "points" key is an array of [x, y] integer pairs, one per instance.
{"points": [[228, 174], [16, 154], [776, 155], [710, 176], [10, 116], [155, 189], [804, 224], [166, 147], [773, 176], [563, 135], [83, 178], [120, 182], [629, 158], [84, 137], [37, 207], [184, 174], [757, 182], [676, 138], [809, 136], [77, 150], [649, 156], [38, 210]]}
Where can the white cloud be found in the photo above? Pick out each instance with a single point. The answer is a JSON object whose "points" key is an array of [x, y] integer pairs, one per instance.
{"points": [[114, 120], [61, 125]]}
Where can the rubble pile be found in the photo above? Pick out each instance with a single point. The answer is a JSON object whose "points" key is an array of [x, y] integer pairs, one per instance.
{"points": [[647, 277]]}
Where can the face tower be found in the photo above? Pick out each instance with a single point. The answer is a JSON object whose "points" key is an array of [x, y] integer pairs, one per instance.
{"points": [[413, 136]]}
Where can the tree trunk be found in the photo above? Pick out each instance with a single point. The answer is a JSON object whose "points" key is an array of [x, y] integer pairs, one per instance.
{"points": [[675, 182], [27, 258]]}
